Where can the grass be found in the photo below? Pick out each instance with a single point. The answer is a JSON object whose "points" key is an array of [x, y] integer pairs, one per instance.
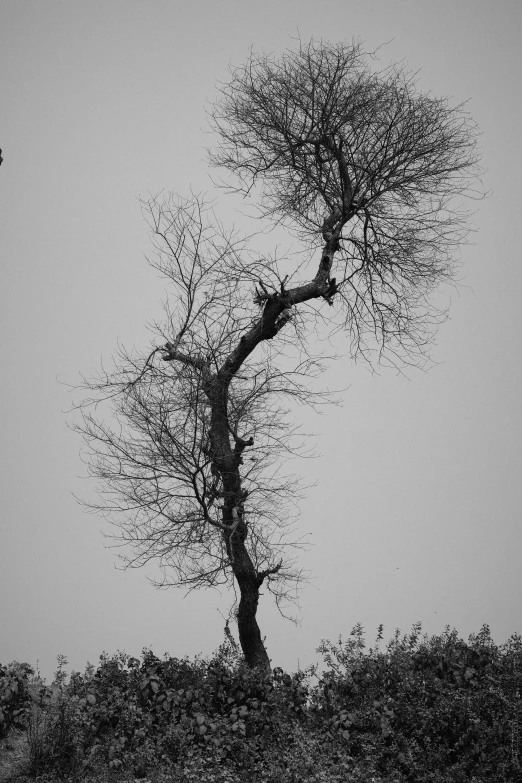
{"points": [[14, 757]]}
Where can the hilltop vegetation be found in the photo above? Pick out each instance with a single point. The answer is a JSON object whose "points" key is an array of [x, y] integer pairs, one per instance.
{"points": [[432, 710]]}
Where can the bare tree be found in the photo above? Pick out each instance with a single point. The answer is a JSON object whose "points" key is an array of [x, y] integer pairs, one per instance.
{"points": [[368, 172]]}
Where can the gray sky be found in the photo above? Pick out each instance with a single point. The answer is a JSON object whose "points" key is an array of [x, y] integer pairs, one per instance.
{"points": [[416, 511]]}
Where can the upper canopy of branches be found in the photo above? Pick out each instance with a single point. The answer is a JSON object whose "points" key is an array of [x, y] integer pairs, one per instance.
{"points": [[322, 133], [330, 145]]}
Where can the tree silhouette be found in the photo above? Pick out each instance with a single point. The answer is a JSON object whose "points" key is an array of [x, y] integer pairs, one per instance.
{"points": [[368, 172]]}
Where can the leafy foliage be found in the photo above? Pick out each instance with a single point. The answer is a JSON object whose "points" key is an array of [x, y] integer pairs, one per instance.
{"points": [[433, 710], [427, 706], [14, 697]]}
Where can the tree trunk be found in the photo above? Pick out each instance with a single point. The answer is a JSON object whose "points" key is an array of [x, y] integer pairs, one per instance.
{"points": [[249, 632], [226, 461], [248, 581]]}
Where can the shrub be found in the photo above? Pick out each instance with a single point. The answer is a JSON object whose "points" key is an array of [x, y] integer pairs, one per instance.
{"points": [[54, 740], [15, 702], [426, 707], [429, 710]]}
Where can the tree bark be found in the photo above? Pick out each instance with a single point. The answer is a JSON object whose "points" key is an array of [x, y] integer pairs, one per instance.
{"points": [[225, 463], [249, 632]]}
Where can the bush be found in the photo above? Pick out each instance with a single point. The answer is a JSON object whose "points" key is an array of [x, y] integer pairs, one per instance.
{"points": [[432, 710], [55, 744], [429, 709], [15, 701]]}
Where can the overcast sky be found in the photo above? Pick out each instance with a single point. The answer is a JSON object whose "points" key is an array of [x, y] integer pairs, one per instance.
{"points": [[416, 510]]}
